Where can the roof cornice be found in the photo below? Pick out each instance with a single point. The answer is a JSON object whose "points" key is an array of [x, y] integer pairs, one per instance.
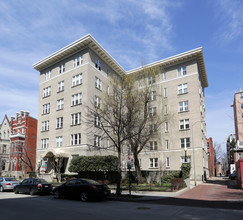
{"points": [[188, 55]]}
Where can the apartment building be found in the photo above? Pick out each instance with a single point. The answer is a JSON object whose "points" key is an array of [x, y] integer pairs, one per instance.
{"points": [[78, 75], [238, 120], [4, 145], [22, 145]]}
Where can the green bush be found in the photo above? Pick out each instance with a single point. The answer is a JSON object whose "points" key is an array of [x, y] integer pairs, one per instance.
{"points": [[177, 183], [185, 170], [166, 179]]}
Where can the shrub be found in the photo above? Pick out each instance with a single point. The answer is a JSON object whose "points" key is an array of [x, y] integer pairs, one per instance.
{"points": [[185, 170], [177, 183], [166, 179]]}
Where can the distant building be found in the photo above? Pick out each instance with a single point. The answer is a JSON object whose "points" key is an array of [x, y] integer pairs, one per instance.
{"points": [[23, 145], [238, 119], [4, 145], [231, 146], [81, 72], [212, 166]]}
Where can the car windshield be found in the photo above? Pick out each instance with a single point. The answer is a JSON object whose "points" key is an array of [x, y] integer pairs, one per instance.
{"points": [[92, 181], [10, 179], [41, 181]]}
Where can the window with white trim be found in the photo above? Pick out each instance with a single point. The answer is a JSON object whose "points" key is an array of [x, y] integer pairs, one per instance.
{"points": [[44, 143], [60, 104], [153, 163], [164, 75], [184, 124], [46, 91], [47, 75], [152, 128], [78, 61], [153, 145], [77, 99], [98, 83], [167, 144], [185, 142], [165, 92], [151, 80], [76, 139], [45, 126], [181, 71], [97, 141], [98, 64], [59, 141], [166, 126], [241, 95], [77, 80], [183, 106], [76, 118], [165, 109], [97, 102], [188, 159], [153, 95], [167, 162], [97, 122], [46, 108], [152, 111], [182, 88], [59, 122], [60, 86], [62, 68]]}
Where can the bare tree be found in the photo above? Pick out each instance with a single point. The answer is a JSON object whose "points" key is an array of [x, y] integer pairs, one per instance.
{"points": [[57, 164], [217, 151]]}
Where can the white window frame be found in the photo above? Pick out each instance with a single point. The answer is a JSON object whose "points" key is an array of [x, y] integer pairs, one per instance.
{"points": [[60, 86], [188, 158], [45, 126], [59, 122], [164, 76], [59, 141], [98, 64], [76, 99], [77, 80], [153, 162], [46, 108], [61, 68], [75, 139], [151, 80], [60, 104], [47, 91], [97, 141], [78, 61], [98, 83], [166, 126], [76, 118], [184, 124], [182, 88], [153, 145], [97, 102], [47, 75], [152, 111], [153, 95], [181, 71], [44, 143], [167, 144], [167, 162], [165, 92], [185, 142], [183, 106], [97, 121]]}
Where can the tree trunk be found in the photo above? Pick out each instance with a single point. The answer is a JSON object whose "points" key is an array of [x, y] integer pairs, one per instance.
{"points": [[137, 168], [118, 181]]}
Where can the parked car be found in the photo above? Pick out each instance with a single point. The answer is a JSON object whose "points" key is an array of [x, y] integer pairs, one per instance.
{"points": [[232, 176], [33, 186], [83, 189], [7, 183]]}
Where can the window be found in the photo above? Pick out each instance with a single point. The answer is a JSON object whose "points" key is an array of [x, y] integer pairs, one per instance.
{"points": [[241, 95], [183, 106], [165, 92], [77, 80], [98, 65], [164, 75], [185, 142], [47, 75], [77, 99], [76, 139], [166, 126], [60, 86], [4, 150], [46, 109], [59, 141], [188, 159], [167, 144], [97, 141], [98, 83], [153, 145], [153, 163], [60, 104], [97, 102], [182, 88], [97, 122], [46, 91], [76, 119], [165, 109], [45, 126], [152, 111], [153, 95], [241, 105], [78, 61], [59, 122], [184, 124], [167, 162], [151, 80], [181, 71], [152, 128], [62, 68], [44, 143]]}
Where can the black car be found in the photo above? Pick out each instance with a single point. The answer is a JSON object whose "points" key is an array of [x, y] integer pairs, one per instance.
{"points": [[83, 189], [33, 186]]}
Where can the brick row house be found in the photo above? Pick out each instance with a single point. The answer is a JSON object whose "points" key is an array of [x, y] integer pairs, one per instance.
{"points": [[80, 72]]}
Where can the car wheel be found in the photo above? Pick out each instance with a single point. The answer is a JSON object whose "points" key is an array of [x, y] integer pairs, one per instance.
{"points": [[16, 191], [1, 189], [84, 197], [57, 195], [32, 192]]}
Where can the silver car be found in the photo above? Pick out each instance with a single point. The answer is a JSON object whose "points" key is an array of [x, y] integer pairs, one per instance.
{"points": [[7, 183]]}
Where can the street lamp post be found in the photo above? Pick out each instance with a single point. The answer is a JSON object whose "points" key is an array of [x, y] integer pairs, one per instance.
{"points": [[194, 166], [185, 149]]}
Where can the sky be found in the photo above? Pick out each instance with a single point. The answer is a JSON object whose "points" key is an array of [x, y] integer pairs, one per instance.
{"points": [[132, 32]]}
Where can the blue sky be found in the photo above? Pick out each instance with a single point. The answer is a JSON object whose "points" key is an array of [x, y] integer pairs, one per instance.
{"points": [[132, 31]]}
